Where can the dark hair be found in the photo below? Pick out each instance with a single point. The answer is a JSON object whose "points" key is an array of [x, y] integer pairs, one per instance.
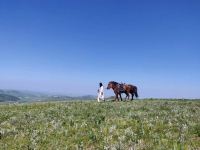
{"points": [[100, 84]]}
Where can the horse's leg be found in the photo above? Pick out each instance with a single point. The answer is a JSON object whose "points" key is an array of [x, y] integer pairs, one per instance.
{"points": [[116, 96], [120, 96], [128, 95], [132, 96]]}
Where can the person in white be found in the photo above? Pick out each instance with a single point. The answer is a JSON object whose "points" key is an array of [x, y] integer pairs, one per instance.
{"points": [[100, 92]]}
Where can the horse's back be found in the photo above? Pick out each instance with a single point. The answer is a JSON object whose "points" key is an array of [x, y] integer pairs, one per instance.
{"points": [[131, 85]]}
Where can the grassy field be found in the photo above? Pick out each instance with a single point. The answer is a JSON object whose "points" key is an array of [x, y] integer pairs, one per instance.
{"points": [[140, 124]]}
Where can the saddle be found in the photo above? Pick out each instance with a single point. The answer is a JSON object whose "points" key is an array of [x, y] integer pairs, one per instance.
{"points": [[120, 87]]}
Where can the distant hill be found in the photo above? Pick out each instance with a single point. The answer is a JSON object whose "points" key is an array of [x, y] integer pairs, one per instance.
{"points": [[61, 98], [8, 98], [86, 97], [18, 93], [28, 96], [24, 95]]}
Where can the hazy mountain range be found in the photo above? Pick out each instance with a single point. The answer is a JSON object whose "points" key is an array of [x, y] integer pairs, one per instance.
{"points": [[28, 96]]}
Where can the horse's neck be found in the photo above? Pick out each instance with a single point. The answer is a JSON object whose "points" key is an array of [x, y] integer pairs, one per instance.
{"points": [[118, 87], [115, 87]]}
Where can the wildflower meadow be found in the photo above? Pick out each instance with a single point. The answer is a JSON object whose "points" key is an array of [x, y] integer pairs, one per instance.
{"points": [[138, 124]]}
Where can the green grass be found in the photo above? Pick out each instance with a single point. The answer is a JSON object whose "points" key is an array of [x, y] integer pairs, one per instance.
{"points": [[141, 124]]}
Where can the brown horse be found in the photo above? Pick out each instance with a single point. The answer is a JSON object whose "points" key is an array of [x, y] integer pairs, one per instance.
{"points": [[118, 89], [130, 89]]}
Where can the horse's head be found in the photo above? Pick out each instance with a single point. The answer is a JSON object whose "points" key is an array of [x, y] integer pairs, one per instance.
{"points": [[111, 85]]}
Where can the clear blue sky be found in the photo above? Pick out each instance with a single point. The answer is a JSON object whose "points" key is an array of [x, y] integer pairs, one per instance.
{"points": [[69, 46]]}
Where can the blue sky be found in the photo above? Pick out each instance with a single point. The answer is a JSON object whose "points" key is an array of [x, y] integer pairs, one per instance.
{"points": [[69, 46]]}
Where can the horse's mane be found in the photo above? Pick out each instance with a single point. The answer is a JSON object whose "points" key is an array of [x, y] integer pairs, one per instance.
{"points": [[113, 82]]}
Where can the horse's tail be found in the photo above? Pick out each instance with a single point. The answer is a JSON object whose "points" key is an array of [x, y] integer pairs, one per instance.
{"points": [[136, 93]]}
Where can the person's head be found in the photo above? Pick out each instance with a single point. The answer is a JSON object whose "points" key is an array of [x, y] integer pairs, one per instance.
{"points": [[100, 84]]}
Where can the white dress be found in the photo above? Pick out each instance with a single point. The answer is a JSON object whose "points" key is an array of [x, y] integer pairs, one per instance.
{"points": [[100, 94]]}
